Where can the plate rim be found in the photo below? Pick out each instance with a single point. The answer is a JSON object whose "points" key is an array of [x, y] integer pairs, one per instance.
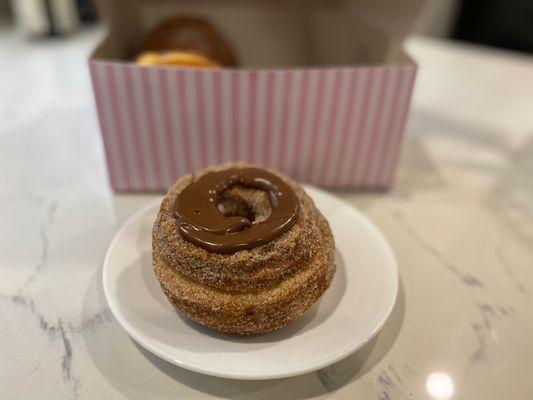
{"points": [[338, 355]]}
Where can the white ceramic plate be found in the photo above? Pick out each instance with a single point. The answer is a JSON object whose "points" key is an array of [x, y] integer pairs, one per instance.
{"points": [[349, 314]]}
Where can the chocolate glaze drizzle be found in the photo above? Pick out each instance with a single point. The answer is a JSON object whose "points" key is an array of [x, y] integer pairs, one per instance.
{"points": [[200, 222]]}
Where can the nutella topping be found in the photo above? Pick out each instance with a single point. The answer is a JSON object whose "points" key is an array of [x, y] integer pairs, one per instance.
{"points": [[201, 222]]}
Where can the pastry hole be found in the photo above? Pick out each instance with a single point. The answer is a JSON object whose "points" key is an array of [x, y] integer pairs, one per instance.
{"points": [[252, 204], [235, 208]]}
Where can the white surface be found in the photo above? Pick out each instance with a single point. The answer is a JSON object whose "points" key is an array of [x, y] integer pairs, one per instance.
{"points": [[349, 314], [459, 220]]}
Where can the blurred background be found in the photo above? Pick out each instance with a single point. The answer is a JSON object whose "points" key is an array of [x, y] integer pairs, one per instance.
{"points": [[505, 24]]}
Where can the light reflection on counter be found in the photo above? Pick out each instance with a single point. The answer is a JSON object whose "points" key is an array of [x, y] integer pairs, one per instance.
{"points": [[440, 386]]}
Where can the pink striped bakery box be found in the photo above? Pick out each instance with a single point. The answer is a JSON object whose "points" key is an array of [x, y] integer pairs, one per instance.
{"points": [[338, 127]]}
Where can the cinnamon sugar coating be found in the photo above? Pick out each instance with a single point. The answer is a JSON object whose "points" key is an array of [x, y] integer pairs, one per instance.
{"points": [[249, 291]]}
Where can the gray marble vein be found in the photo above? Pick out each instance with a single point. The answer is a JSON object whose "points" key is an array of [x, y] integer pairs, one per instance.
{"points": [[393, 371], [45, 242], [92, 321], [480, 353], [465, 277], [388, 384], [507, 267], [57, 329]]}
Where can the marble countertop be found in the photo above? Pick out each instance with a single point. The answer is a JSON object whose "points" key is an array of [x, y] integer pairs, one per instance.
{"points": [[460, 220]]}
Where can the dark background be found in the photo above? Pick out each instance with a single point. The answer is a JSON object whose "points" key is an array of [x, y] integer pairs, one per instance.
{"points": [[500, 23]]}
